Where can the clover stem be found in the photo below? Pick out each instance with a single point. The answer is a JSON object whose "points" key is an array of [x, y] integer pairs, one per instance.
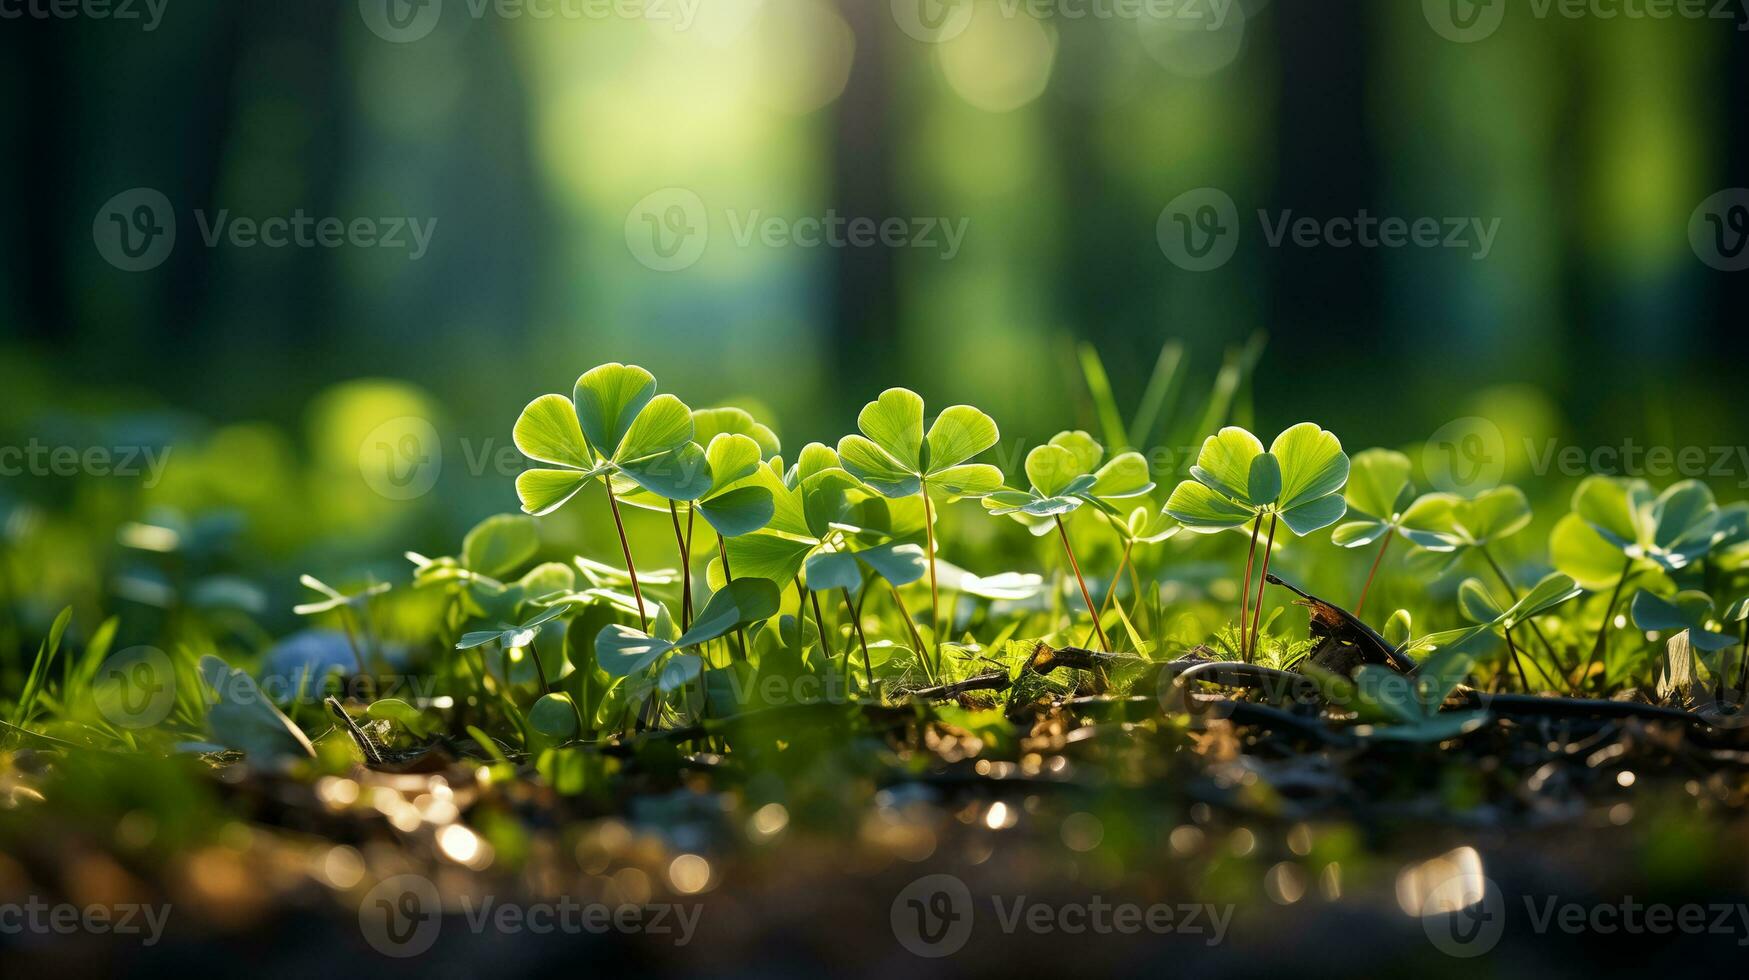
{"points": [[352, 640], [728, 576], [626, 549], [820, 623], [1743, 671], [1086, 597], [1375, 570], [1512, 590], [1601, 646], [1523, 680], [1262, 580], [1245, 594], [685, 569], [539, 669], [1111, 590], [916, 636], [934, 591], [856, 624]]}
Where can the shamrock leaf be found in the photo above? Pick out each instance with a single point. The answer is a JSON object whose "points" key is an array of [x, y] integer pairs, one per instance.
{"points": [[1379, 493], [1065, 474], [898, 459], [1616, 524], [622, 651], [1234, 481], [1690, 610], [615, 426]]}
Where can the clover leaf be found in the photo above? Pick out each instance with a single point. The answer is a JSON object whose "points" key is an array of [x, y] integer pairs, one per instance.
{"points": [[622, 651], [1690, 610], [1478, 605], [1298, 481], [1616, 524], [1066, 473], [614, 425], [896, 457], [1379, 494]]}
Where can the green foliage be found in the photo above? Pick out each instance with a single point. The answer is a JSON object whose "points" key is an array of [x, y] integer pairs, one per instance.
{"points": [[898, 459], [1379, 494], [1066, 473], [1690, 610], [1448, 523], [614, 426], [1617, 524], [1299, 479]]}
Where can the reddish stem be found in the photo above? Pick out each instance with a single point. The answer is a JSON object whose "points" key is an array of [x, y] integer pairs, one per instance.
{"points": [[626, 549], [1262, 580], [1361, 605], [1245, 594], [1086, 597]]}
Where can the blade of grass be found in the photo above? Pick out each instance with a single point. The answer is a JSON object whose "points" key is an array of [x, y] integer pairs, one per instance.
{"points": [[1161, 391], [1104, 405]]}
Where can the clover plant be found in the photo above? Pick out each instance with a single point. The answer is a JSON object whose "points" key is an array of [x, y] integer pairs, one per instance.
{"points": [[1297, 482], [615, 428], [1064, 474], [1379, 494], [896, 457]]}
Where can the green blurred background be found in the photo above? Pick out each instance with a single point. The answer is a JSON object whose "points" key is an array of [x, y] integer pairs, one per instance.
{"points": [[534, 142]]}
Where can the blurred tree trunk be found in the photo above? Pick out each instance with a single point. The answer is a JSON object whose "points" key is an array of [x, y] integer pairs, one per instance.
{"points": [[864, 301], [1327, 167]]}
